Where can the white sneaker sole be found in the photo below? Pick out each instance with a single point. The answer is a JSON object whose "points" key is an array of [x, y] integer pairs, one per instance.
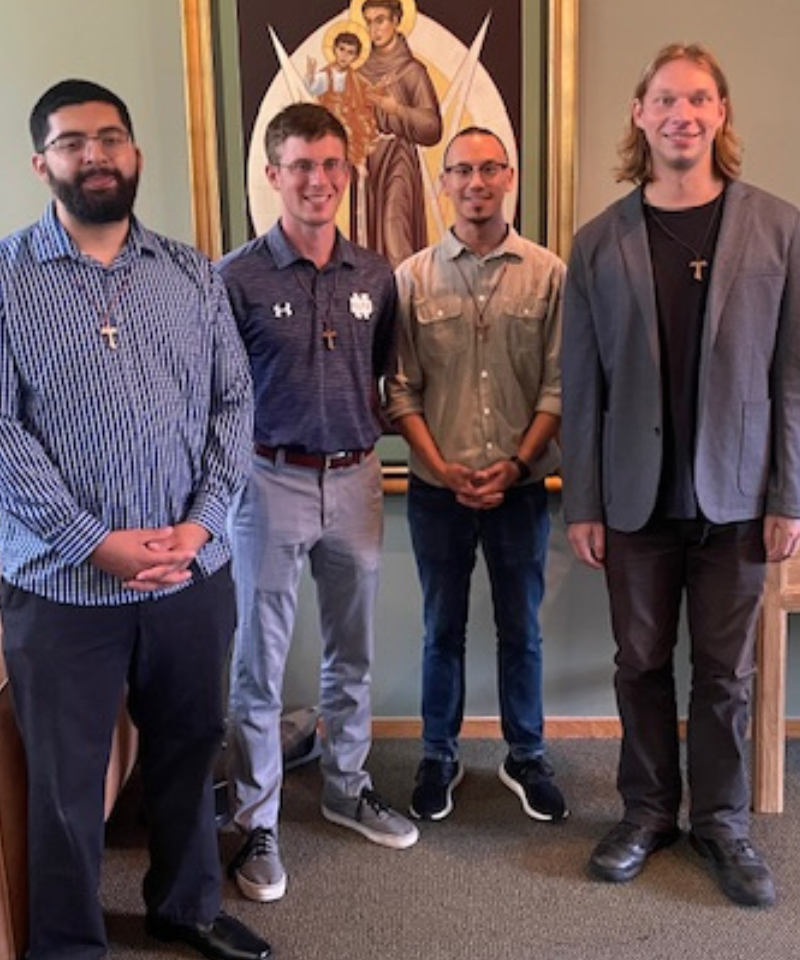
{"points": [[392, 840], [261, 892], [448, 807], [517, 788]]}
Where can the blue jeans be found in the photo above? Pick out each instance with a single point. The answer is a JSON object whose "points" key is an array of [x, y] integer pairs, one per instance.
{"points": [[445, 536]]}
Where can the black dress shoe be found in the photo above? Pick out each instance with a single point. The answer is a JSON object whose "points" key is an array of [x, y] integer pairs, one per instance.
{"points": [[223, 939], [741, 872], [623, 851]]}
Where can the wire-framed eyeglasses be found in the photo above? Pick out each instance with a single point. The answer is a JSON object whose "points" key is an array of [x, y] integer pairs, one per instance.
{"points": [[75, 144], [462, 173]]}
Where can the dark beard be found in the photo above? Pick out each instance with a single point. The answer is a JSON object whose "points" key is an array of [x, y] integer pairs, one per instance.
{"points": [[94, 207]]}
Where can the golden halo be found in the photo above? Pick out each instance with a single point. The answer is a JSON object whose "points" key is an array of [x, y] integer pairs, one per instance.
{"points": [[407, 21], [346, 26]]}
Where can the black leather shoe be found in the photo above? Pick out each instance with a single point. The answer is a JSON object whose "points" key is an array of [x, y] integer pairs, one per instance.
{"points": [[223, 939], [623, 851], [741, 872]]}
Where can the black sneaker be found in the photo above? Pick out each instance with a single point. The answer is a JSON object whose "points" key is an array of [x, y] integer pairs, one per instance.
{"points": [[433, 794], [740, 870], [532, 781]]}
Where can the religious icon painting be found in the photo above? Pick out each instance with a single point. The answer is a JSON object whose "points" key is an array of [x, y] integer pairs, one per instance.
{"points": [[403, 77]]}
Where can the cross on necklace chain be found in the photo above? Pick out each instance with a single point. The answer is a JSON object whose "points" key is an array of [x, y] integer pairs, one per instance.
{"points": [[697, 266], [699, 263], [481, 304], [329, 333], [108, 330], [109, 333]]}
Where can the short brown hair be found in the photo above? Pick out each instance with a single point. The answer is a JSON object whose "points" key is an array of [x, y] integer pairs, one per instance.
{"points": [[309, 121], [634, 151]]}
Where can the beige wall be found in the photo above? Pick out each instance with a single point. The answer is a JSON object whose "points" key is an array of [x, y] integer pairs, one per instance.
{"points": [[131, 46], [758, 42]]}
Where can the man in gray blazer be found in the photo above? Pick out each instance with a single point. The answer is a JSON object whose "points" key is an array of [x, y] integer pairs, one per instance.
{"points": [[681, 443]]}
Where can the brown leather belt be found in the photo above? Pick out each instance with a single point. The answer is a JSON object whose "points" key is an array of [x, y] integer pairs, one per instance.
{"points": [[313, 461]]}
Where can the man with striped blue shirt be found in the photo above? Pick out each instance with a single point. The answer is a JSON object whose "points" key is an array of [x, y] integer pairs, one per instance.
{"points": [[125, 410]]}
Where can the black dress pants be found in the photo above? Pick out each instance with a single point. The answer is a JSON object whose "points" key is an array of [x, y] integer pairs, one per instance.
{"points": [[719, 570], [68, 668]]}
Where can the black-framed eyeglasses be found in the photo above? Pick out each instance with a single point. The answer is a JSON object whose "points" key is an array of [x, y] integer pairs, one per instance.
{"points": [[331, 166], [488, 171], [75, 144]]}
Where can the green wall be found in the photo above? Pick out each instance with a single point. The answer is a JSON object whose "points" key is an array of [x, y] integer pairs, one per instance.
{"points": [[133, 46]]}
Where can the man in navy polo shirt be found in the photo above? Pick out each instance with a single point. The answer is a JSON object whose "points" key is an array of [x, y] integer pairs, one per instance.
{"points": [[316, 314]]}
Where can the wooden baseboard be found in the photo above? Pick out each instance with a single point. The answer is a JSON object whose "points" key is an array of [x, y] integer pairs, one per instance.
{"points": [[555, 728], [488, 728]]}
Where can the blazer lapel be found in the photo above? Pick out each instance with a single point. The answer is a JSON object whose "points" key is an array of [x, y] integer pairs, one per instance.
{"points": [[635, 251], [728, 254]]}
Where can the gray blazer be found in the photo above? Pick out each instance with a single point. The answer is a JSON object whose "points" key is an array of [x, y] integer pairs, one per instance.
{"points": [[747, 456]]}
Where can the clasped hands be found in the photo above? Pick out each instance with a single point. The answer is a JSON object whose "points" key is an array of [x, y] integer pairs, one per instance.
{"points": [[151, 559], [480, 489]]}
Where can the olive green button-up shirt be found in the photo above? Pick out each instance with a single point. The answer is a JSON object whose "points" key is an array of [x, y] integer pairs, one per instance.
{"points": [[479, 349]]}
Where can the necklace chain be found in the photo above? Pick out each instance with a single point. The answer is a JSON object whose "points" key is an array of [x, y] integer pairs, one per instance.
{"points": [[329, 333], [108, 330], [698, 261], [482, 326]]}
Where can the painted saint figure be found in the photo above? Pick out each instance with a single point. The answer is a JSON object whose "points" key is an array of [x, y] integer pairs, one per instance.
{"points": [[342, 90], [408, 116]]}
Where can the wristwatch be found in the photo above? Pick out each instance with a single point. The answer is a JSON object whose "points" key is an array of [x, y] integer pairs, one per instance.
{"points": [[524, 469]]}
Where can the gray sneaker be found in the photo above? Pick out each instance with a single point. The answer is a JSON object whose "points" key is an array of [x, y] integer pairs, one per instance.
{"points": [[372, 818], [257, 867]]}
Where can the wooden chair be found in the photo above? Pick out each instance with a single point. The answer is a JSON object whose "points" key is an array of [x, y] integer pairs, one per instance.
{"points": [[781, 597]]}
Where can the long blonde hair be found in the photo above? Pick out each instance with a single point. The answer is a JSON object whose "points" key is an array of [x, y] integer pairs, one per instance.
{"points": [[634, 151]]}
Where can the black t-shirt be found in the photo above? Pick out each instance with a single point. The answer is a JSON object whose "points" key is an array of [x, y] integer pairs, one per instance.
{"points": [[682, 244]]}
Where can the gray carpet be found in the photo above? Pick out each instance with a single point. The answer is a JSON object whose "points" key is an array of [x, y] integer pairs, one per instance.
{"points": [[487, 883]]}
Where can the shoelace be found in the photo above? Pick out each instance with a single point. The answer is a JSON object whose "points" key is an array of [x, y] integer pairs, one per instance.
{"points": [[262, 844], [534, 771], [742, 849], [370, 798], [432, 771]]}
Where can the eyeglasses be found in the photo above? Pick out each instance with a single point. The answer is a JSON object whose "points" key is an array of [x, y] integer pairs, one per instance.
{"points": [[331, 167], [74, 144], [489, 171]]}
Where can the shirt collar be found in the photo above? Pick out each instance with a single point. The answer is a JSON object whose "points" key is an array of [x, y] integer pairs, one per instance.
{"points": [[511, 247], [285, 254], [52, 242]]}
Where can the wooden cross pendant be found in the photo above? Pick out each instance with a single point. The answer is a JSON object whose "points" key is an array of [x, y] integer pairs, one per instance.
{"points": [[697, 266], [329, 336], [109, 333]]}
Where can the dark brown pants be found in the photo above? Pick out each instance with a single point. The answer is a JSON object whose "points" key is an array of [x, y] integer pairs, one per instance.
{"points": [[719, 569]]}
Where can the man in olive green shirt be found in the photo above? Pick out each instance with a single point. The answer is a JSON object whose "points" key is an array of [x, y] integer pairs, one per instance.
{"points": [[477, 395]]}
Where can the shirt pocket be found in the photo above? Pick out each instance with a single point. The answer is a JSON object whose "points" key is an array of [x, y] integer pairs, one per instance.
{"points": [[525, 318], [441, 325]]}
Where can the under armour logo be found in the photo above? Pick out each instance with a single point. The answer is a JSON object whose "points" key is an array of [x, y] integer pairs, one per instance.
{"points": [[361, 306], [282, 309]]}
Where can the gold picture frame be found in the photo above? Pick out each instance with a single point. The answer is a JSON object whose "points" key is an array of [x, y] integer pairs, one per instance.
{"points": [[202, 127]]}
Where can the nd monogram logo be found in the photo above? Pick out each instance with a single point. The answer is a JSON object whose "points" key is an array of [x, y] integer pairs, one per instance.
{"points": [[361, 306], [282, 309]]}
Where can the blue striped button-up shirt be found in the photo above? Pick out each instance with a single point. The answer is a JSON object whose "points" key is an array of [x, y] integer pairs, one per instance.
{"points": [[95, 439]]}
